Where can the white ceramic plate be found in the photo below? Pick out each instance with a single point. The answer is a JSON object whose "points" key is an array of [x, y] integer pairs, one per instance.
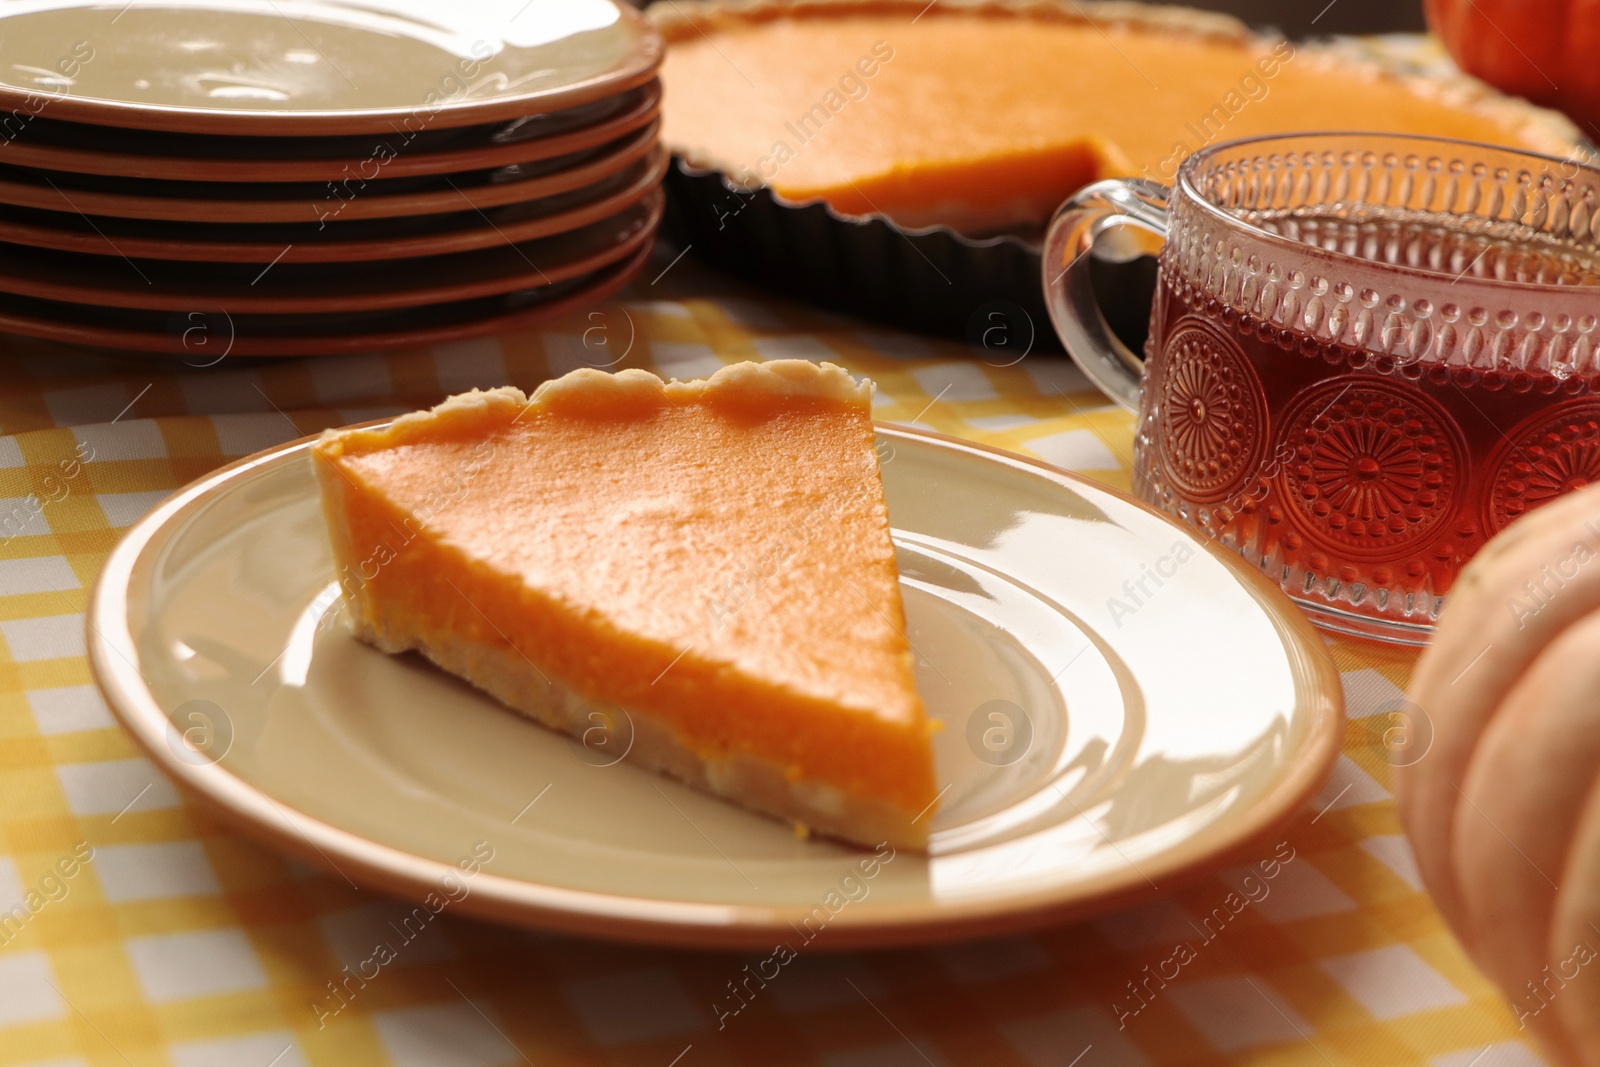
{"points": [[1125, 707], [291, 67]]}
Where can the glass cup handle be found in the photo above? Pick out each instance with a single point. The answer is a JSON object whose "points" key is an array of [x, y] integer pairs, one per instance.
{"points": [[1137, 208]]}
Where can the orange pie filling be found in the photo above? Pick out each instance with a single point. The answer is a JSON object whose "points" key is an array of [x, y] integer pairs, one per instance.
{"points": [[986, 116], [709, 561]]}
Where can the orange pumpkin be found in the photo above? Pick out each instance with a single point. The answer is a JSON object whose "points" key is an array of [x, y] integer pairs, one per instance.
{"points": [[1504, 811], [1541, 49]]}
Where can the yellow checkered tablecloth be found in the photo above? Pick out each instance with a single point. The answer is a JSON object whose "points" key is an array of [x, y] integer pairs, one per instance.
{"points": [[180, 943]]}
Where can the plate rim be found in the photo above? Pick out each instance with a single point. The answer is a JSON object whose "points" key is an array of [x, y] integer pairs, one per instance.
{"points": [[104, 163], [639, 66], [360, 250], [630, 148], [641, 216], [687, 924], [604, 283]]}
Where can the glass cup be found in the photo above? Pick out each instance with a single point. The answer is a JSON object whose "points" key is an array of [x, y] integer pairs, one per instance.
{"points": [[1368, 354]]}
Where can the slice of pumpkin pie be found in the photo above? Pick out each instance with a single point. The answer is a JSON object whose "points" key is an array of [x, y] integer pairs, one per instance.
{"points": [[708, 561]]}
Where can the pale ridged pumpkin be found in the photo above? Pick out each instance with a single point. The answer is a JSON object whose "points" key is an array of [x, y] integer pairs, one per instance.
{"points": [[1505, 808], [1541, 49]]}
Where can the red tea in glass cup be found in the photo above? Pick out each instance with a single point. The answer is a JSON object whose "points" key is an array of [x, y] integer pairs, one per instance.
{"points": [[1368, 355]]}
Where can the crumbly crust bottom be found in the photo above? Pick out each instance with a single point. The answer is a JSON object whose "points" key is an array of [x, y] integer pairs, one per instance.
{"points": [[504, 674]]}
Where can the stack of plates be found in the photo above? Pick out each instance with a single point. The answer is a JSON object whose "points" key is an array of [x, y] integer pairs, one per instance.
{"points": [[288, 177]]}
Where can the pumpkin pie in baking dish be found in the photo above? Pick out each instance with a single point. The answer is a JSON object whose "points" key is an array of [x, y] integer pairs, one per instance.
{"points": [[984, 116], [709, 561]]}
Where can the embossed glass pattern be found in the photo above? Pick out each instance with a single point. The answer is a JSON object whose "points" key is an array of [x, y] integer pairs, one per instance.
{"points": [[1368, 355]]}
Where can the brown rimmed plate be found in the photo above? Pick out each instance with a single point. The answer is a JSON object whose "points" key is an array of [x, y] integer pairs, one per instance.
{"points": [[204, 336], [327, 202], [392, 154], [359, 240], [43, 128], [316, 67], [312, 288], [1158, 745]]}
